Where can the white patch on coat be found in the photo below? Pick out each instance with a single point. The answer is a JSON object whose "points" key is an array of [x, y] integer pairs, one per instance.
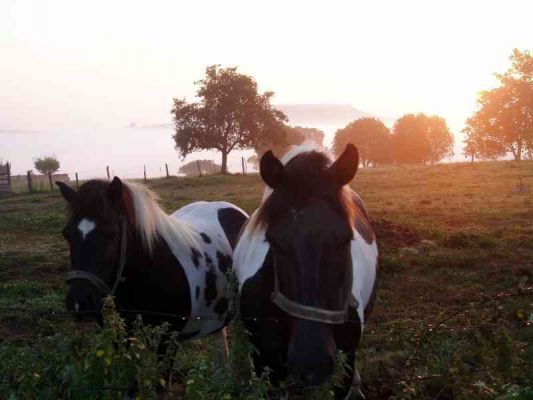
{"points": [[364, 262], [202, 217], [250, 252], [86, 226]]}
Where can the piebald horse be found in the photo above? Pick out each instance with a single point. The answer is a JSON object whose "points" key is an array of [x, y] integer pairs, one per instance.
{"points": [[307, 266], [167, 268]]}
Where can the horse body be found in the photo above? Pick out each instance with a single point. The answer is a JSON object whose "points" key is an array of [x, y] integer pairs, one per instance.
{"points": [[216, 226], [173, 267], [291, 248]]}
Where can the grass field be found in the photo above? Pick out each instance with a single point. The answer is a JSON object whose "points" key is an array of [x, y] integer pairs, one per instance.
{"points": [[454, 314]]}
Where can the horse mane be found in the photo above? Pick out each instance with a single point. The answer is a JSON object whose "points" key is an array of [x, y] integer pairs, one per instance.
{"points": [[306, 165], [151, 221], [144, 215]]}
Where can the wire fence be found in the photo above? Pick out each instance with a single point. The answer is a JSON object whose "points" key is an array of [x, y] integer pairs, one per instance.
{"points": [[30, 182]]}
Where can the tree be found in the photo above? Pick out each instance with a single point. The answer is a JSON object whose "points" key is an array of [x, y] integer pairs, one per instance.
{"points": [[440, 139], [479, 143], [230, 114], [253, 160], [286, 137], [421, 139], [370, 136], [503, 121], [310, 135], [47, 165], [206, 167]]}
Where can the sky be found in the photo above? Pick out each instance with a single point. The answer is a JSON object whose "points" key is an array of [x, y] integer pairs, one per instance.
{"points": [[108, 63]]}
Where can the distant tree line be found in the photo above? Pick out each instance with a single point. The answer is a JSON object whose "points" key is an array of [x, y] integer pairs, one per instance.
{"points": [[503, 121], [414, 139], [231, 114]]}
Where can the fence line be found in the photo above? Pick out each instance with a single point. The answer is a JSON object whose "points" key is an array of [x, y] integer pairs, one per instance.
{"points": [[31, 182]]}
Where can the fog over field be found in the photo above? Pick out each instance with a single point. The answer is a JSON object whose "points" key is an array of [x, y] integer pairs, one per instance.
{"points": [[127, 149]]}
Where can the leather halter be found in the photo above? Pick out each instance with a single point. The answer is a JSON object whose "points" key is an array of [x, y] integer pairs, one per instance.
{"points": [[94, 279], [307, 312]]}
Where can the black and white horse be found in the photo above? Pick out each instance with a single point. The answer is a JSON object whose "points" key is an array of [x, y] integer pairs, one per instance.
{"points": [[307, 265], [165, 268]]}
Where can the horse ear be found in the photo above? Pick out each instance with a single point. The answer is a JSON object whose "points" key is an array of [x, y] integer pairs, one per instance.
{"points": [[66, 191], [344, 168], [271, 169], [114, 191]]}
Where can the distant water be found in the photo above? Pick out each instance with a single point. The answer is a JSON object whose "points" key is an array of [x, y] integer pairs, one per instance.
{"points": [[89, 151], [125, 150]]}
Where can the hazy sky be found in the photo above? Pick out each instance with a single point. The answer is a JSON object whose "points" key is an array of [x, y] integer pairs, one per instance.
{"points": [[106, 63]]}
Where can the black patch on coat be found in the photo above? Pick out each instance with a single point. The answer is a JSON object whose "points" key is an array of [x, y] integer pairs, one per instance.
{"points": [[222, 306], [195, 257], [231, 221], [206, 238], [224, 262], [210, 293], [208, 260], [197, 292], [185, 336]]}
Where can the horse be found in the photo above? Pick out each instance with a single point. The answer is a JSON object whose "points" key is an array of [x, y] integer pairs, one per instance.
{"points": [[308, 268], [166, 268]]}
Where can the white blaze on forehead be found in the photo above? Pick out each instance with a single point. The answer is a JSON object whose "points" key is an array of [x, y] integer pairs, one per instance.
{"points": [[85, 227]]}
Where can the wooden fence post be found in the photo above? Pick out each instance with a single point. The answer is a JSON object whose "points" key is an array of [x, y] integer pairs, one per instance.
{"points": [[145, 173], [77, 182], [107, 170], [8, 166], [166, 167], [30, 184], [199, 169], [243, 170], [50, 180]]}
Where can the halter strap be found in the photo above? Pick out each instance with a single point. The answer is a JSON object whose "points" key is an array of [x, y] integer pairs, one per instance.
{"points": [[95, 279], [307, 312]]}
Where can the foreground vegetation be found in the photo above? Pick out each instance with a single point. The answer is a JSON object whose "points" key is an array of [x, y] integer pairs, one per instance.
{"points": [[452, 320]]}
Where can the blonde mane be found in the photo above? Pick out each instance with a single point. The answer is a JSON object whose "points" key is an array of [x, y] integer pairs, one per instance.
{"points": [[151, 221]]}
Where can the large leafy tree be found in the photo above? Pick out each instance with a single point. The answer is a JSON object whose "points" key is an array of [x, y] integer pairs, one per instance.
{"points": [[503, 121], [371, 137], [421, 139], [230, 114]]}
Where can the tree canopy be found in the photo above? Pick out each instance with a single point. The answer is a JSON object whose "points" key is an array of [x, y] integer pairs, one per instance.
{"points": [[206, 167], [503, 121], [46, 165], [421, 139], [289, 136], [230, 114], [371, 137]]}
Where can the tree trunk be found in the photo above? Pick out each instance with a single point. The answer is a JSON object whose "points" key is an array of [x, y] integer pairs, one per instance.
{"points": [[50, 180], [224, 168], [518, 155]]}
